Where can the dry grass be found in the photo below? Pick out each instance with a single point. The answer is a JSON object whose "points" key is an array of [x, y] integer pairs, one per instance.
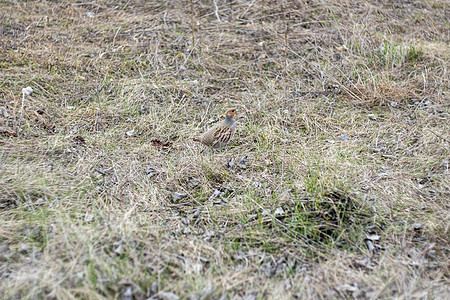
{"points": [[343, 115]]}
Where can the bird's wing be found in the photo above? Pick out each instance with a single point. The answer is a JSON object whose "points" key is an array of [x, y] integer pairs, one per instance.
{"points": [[222, 134]]}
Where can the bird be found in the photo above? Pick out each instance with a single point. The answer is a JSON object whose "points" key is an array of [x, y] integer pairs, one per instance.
{"points": [[219, 135]]}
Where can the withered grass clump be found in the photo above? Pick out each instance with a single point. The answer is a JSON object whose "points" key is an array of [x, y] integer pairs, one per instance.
{"points": [[336, 184]]}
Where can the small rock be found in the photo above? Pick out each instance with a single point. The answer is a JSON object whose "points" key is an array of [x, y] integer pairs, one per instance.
{"points": [[243, 162], [130, 132], [251, 296], [209, 234], [127, 294], [364, 262], [4, 112], [257, 184], [74, 129], [39, 201], [27, 91], [266, 212], [154, 287], [143, 110], [372, 237], [69, 107], [342, 48], [4, 253], [394, 104], [349, 288], [90, 14], [193, 296], [270, 269], [167, 296], [119, 250], [150, 172], [186, 230], [417, 226], [193, 182], [279, 211], [230, 163], [426, 103], [24, 248], [214, 195], [377, 149], [88, 218], [3, 248], [197, 267], [370, 246], [252, 217], [207, 292], [343, 137], [178, 196], [372, 116], [422, 180], [197, 214]]}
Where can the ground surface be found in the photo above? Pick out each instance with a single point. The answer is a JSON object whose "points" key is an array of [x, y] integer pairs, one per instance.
{"points": [[343, 118]]}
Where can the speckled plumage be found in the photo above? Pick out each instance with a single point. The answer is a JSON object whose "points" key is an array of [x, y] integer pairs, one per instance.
{"points": [[221, 134]]}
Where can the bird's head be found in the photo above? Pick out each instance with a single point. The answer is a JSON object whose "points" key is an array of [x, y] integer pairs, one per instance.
{"points": [[231, 113]]}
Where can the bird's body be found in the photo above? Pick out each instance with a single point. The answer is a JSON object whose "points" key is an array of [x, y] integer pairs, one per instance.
{"points": [[221, 134]]}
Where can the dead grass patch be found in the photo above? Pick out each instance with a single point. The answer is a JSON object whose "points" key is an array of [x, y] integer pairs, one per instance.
{"points": [[342, 121]]}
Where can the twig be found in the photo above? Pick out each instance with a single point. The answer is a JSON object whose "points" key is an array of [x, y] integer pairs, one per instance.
{"points": [[100, 112], [126, 4], [45, 26], [243, 14], [192, 24], [216, 11], [114, 39], [262, 46], [285, 49], [22, 106], [439, 136]]}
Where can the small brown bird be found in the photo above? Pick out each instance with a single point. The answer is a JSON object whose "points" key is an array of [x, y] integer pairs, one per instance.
{"points": [[221, 134]]}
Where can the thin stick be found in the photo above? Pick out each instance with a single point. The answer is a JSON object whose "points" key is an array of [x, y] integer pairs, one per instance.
{"points": [[262, 45], [100, 112], [216, 11], [439, 136], [45, 26], [192, 23], [114, 39], [285, 49], [243, 14]]}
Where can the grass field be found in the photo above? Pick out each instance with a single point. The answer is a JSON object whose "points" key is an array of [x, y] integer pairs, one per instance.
{"points": [[335, 186]]}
